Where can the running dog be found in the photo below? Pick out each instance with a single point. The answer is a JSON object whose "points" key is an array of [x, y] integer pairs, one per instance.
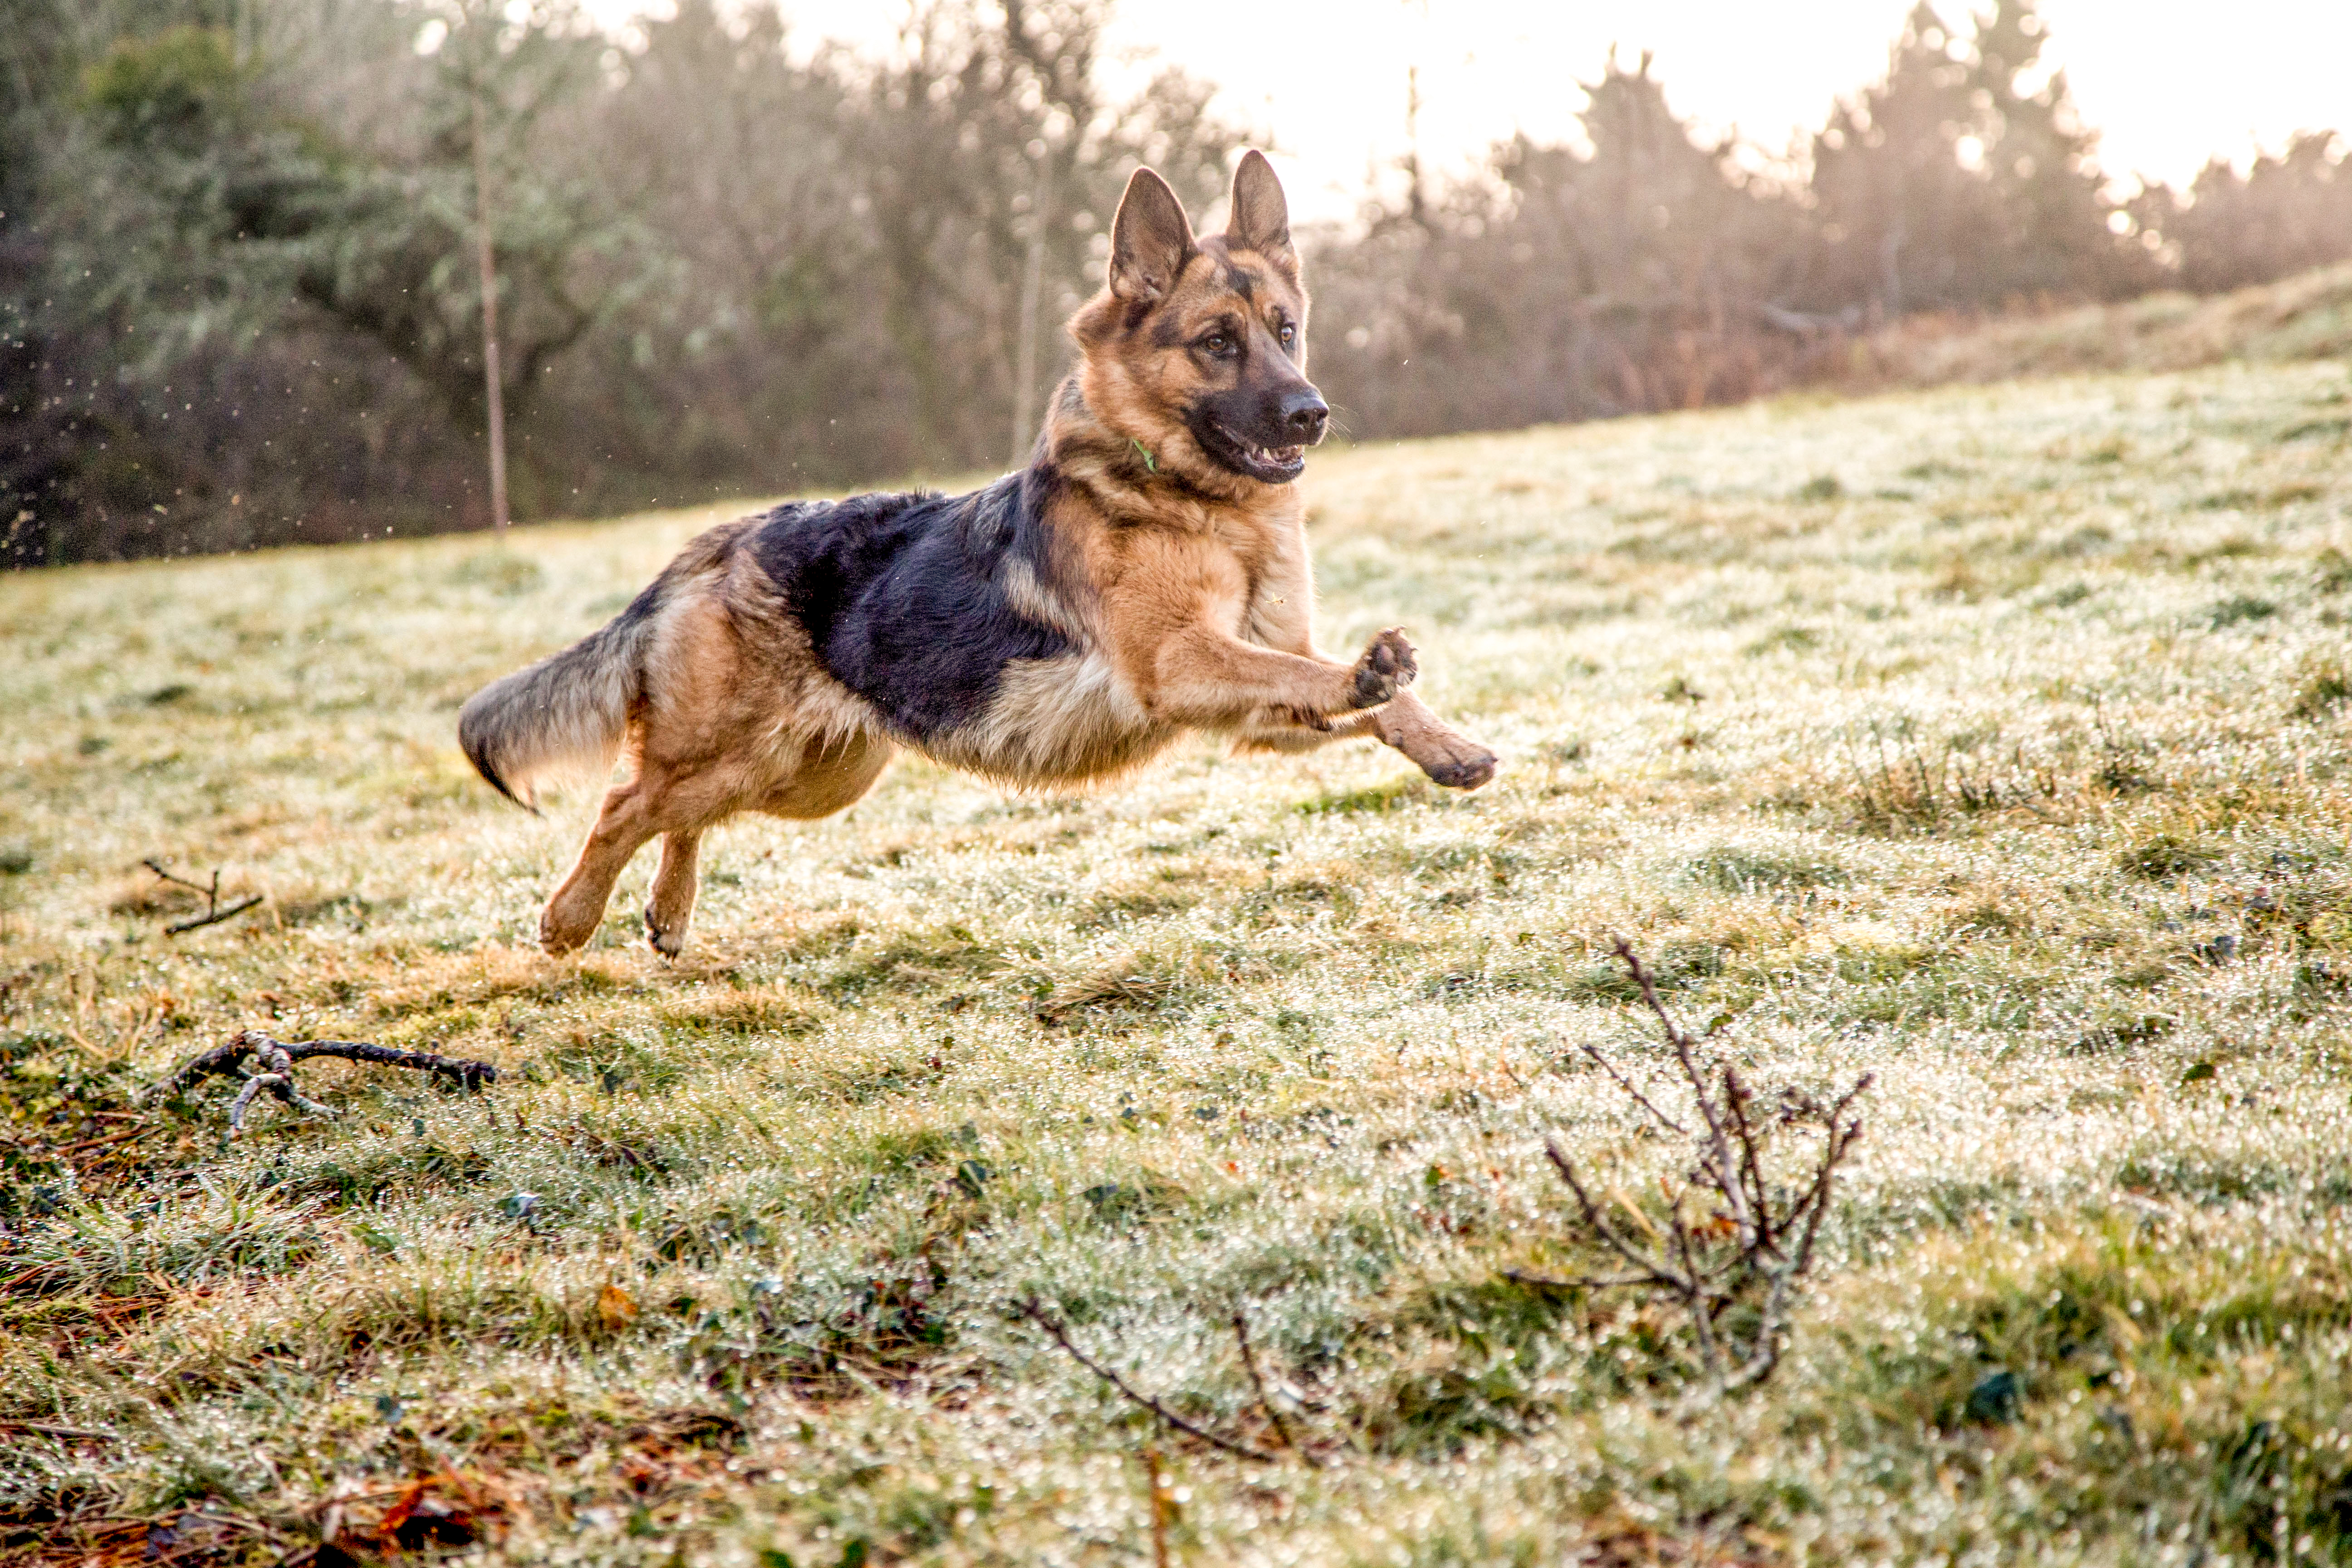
{"points": [[1145, 575]]}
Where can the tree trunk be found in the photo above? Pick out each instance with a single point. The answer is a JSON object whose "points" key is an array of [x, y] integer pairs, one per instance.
{"points": [[493, 386]]}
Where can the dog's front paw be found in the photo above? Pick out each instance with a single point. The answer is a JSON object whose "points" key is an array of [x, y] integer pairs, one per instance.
{"points": [[1385, 669], [1457, 761]]}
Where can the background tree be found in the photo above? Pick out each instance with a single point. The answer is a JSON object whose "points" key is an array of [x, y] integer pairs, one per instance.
{"points": [[1958, 183], [393, 253], [39, 430], [2288, 210], [1582, 283], [991, 105]]}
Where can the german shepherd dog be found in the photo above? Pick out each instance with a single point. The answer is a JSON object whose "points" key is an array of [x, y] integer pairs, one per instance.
{"points": [[1146, 574]]}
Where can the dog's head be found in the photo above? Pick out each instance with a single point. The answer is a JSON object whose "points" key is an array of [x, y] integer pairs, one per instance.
{"points": [[1196, 349]]}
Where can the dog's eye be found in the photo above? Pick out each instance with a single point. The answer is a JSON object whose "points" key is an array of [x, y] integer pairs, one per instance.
{"points": [[1216, 342], [1289, 334]]}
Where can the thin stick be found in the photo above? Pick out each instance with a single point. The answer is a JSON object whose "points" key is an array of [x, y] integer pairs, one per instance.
{"points": [[1265, 1402], [214, 914], [1640, 974], [1639, 1098], [214, 918], [89, 1143], [1028, 1308], [1701, 1318], [1716, 1153], [50, 1429], [1652, 1270], [1752, 1163], [1160, 1499], [1759, 1365], [212, 893]]}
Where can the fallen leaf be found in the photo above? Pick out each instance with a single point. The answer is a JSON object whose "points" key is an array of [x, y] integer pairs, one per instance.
{"points": [[617, 1306]]}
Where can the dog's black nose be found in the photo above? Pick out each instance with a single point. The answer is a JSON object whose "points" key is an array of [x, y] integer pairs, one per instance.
{"points": [[1303, 414]]}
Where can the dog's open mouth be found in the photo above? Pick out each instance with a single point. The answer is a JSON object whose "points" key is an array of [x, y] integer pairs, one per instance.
{"points": [[1268, 464]]}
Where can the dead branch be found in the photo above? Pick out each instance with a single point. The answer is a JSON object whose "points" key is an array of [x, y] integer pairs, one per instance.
{"points": [[1163, 1498], [1634, 1092], [1574, 1282], [87, 1144], [1264, 1401], [1754, 1243], [63, 1433], [276, 1061], [214, 918], [214, 914], [1028, 1308]]}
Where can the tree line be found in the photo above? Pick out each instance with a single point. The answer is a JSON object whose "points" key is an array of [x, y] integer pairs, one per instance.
{"points": [[239, 304], [1652, 268]]}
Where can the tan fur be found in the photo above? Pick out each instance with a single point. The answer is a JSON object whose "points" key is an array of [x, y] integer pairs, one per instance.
{"points": [[1185, 589]]}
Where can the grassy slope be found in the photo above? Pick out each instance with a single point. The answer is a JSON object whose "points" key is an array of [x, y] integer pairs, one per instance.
{"points": [[2306, 316], [2005, 760]]}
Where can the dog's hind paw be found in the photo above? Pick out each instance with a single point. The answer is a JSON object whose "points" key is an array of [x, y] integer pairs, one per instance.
{"points": [[669, 944], [558, 938]]}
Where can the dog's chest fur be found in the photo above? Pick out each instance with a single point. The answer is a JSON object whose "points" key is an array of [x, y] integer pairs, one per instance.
{"points": [[1276, 611]]}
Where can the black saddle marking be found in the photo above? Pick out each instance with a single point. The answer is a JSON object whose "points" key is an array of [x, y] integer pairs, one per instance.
{"points": [[901, 596]]}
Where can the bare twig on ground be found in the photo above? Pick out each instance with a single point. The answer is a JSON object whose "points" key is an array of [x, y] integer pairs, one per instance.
{"points": [[276, 1060], [238, 908], [1029, 1308], [1265, 1400], [50, 1429], [214, 914], [1574, 1282], [1754, 1242], [89, 1143], [1162, 1499]]}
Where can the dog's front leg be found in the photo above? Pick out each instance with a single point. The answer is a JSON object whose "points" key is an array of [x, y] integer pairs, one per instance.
{"points": [[1405, 722], [1444, 752], [1204, 676]]}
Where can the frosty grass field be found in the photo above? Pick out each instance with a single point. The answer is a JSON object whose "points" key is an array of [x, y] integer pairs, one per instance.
{"points": [[1992, 740]]}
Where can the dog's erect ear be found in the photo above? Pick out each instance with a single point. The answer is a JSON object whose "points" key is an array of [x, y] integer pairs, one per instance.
{"points": [[1149, 240], [1261, 216]]}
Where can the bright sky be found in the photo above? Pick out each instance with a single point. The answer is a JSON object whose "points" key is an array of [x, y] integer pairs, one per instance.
{"points": [[2167, 82]]}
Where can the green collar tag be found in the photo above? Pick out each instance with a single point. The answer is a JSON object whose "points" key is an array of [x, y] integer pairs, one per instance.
{"points": [[1150, 463]]}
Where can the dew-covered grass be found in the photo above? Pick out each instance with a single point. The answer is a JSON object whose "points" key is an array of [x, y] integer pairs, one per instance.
{"points": [[1992, 740]]}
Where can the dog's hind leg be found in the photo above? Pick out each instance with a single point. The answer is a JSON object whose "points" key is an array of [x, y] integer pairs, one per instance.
{"points": [[673, 801], [671, 904], [823, 780], [628, 820]]}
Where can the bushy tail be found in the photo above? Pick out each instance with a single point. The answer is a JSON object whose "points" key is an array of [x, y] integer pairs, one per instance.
{"points": [[570, 710], [567, 712]]}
